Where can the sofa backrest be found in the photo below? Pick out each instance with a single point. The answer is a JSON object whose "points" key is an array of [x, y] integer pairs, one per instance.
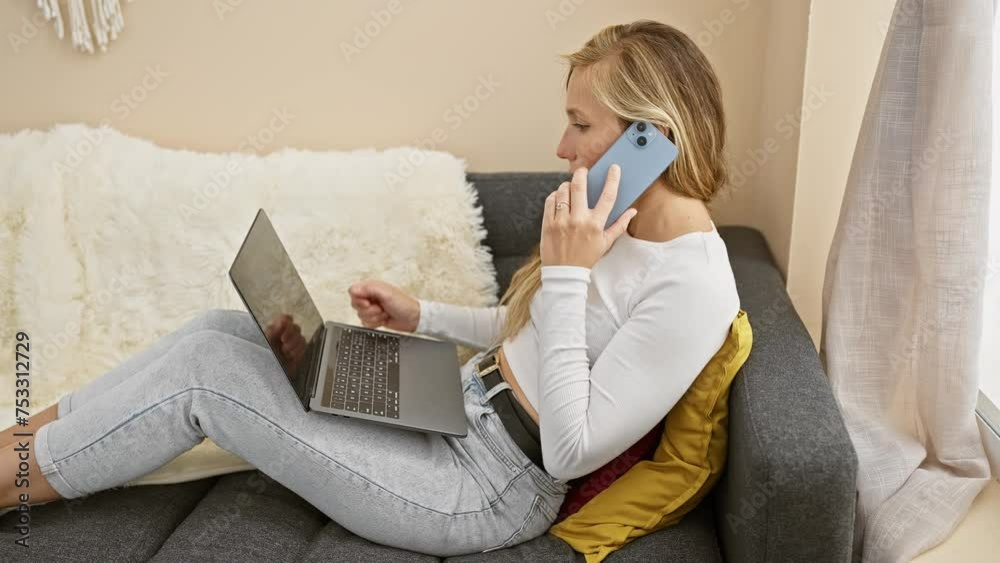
{"points": [[512, 205]]}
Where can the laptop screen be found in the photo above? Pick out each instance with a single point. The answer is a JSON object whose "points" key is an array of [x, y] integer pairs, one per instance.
{"points": [[274, 294]]}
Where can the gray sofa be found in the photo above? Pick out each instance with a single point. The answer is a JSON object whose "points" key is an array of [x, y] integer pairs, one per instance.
{"points": [[788, 493]]}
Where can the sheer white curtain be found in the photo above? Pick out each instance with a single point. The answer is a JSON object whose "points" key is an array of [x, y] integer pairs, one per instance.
{"points": [[990, 366], [903, 299]]}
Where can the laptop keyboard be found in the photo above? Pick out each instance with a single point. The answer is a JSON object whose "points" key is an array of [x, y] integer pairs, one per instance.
{"points": [[366, 377]]}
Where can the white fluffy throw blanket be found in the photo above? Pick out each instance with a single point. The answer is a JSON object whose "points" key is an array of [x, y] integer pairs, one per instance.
{"points": [[108, 242]]}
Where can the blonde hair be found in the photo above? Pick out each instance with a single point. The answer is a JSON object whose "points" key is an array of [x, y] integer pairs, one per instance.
{"points": [[645, 71]]}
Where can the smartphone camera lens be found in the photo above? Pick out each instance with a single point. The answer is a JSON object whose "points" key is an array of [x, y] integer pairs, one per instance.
{"points": [[641, 141], [640, 127]]}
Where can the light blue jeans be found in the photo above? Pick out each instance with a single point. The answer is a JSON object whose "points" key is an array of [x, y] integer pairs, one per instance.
{"points": [[215, 377]]}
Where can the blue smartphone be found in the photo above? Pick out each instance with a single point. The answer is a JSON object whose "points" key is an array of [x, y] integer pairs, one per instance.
{"points": [[643, 153]]}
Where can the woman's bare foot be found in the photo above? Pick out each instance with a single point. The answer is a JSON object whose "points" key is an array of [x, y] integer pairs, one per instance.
{"points": [[35, 422]]}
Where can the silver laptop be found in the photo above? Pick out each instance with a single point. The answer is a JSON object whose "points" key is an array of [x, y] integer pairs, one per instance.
{"points": [[347, 370]]}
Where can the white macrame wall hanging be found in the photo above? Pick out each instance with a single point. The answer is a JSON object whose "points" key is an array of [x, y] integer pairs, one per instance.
{"points": [[107, 21]]}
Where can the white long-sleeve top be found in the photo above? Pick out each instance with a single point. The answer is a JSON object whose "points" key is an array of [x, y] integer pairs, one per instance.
{"points": [[609, 350]]}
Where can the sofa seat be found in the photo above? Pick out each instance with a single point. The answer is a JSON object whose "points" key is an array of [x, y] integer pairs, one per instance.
{"points": [[247, 516]]}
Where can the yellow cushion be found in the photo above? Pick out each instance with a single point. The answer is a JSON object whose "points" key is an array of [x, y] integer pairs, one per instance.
{"points": [[657, 493]]}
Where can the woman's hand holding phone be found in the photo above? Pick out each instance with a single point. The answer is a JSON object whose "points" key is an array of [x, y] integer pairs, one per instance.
{"points": [[644, 151], [574, 234]]}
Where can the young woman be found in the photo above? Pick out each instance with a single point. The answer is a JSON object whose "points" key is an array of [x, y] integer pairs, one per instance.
{"points": [[599, 334]]}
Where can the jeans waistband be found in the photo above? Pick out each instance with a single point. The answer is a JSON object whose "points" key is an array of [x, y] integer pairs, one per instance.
{"points": [[515, 418]]}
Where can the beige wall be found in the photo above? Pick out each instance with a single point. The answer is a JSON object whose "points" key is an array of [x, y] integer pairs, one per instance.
{"points": [[764, 167], [845, 43], [187, 76], [224, 76]]}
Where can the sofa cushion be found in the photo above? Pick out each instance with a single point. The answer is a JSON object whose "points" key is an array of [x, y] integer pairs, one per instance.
{"points": [[657, 493], [584, 488], [247, 516], [693, 540], [123, 524]]}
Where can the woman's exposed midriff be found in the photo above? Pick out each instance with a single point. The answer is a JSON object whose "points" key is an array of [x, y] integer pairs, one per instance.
{"points": [[510, 378]]}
